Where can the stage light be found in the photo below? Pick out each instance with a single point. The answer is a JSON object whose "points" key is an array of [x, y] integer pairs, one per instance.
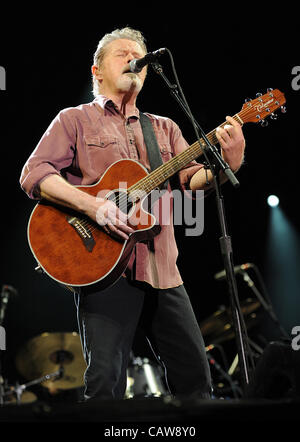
{"points": [[273, 200], [282, 267]]}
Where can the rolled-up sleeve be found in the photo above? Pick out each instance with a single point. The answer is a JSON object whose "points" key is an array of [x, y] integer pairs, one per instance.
{"points": [[54, 152]]}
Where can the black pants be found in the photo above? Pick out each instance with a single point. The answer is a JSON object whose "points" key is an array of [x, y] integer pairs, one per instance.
{"points": [[108, 321]]}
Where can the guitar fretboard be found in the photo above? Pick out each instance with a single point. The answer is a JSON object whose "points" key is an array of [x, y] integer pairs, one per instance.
{"points": [[168, 169]]}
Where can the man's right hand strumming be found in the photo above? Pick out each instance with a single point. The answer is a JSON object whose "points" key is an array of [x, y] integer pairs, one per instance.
{"points": [[55, 189]]}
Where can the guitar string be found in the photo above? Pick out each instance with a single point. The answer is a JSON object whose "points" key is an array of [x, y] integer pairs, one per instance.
{"points": [[185, 155]]}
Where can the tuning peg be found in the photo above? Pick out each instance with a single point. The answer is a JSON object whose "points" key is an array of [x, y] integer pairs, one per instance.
{"points": [[264, 123], [259, 94], [247, 100], [273, 116], [269, 89], [283, 109]]}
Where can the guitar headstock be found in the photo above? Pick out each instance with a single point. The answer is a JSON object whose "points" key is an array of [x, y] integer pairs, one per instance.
{"points": [[258, 109]]}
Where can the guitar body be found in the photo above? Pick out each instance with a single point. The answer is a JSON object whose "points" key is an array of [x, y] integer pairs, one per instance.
{"points": [[75, 251]]}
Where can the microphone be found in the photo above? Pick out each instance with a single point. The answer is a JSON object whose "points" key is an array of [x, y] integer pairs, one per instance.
{"points": [[237, 269], [137, 64]]}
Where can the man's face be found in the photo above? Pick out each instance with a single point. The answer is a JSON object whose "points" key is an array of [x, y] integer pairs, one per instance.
{"points": [[113, 73]]}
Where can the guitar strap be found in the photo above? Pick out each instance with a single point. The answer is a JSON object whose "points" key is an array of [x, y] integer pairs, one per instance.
{"points": [[154, 155], [153, 150]]}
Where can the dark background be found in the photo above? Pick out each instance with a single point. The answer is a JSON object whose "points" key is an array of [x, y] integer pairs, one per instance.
{"points": [[221, 59]]}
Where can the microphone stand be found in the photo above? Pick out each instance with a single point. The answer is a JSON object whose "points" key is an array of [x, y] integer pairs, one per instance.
{"points": [[219, 164], [266, 305], [19, 389]]}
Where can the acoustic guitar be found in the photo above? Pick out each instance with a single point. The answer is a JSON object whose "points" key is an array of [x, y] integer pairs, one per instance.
{"points": [[75, 251]]}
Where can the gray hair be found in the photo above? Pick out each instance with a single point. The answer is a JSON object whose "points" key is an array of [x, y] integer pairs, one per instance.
{"points": [[126, 33]]}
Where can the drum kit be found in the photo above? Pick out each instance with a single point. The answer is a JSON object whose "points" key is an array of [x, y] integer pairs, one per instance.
{"points": [[218, 328], [52, 360], [55, 361]]}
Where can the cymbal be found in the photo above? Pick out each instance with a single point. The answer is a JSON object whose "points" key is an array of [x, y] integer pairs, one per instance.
{"points": [[27, 397], [219, 327], [46, 353]]}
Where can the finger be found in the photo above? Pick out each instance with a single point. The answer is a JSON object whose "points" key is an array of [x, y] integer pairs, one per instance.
{"points": [[230, 131], [232, 121], [118, 218], [116, 231], [228, 128], [113, 211], [122, 226], [108, 214], [236, 129], [222, 135], [236, 132], [105, 217], [119, 224]]}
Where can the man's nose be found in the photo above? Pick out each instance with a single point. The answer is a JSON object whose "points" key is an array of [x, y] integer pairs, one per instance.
{"points": [[130, 57]]}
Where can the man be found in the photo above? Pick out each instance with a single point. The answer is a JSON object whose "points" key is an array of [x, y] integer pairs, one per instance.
{"points": [[77, 148]]}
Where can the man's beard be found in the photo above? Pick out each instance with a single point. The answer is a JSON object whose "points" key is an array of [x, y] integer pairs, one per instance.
{"points": [[129, 82]]}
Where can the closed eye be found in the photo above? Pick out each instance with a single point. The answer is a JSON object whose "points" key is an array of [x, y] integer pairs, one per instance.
{"points": [[125, 54]]}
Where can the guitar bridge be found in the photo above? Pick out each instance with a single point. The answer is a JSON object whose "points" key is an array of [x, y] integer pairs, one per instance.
{"points": [[83, 231]]}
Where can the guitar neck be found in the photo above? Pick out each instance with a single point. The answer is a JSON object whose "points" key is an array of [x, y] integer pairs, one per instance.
{"points": [[168, 169]]}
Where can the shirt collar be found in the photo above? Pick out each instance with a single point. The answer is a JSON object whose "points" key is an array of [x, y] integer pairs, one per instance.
{"points": [[107, 103]]}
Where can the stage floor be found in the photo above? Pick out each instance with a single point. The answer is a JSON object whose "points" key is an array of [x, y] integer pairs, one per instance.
{"points": [[148, 410]]}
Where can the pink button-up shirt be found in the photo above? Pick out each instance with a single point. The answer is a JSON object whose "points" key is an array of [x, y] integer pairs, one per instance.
{"points": [[83, 141]]}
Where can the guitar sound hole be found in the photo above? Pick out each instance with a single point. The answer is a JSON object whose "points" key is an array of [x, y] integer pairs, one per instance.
{"points": [[122, 200]]}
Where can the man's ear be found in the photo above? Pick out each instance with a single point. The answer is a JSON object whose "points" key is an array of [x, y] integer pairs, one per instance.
{"points": [[96, 71]]}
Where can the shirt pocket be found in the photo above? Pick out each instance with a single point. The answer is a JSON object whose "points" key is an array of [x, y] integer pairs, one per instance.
{"points": [[102, 151]]}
